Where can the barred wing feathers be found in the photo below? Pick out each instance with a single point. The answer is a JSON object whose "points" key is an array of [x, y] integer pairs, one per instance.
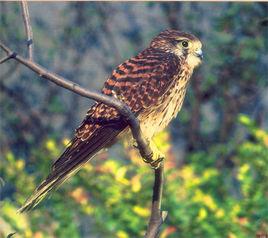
{"points": [[139, 82]]}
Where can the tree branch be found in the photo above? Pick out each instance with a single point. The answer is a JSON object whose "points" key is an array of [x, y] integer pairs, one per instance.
{"points": [[122, 108], [157, 216], [28, 28], [6, 58]]}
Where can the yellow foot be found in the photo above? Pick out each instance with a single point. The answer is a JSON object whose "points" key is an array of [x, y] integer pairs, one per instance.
{"points": [[157, 157]]}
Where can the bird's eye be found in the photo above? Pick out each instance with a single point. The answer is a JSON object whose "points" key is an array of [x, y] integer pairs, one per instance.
{"points": [[185, 44]]}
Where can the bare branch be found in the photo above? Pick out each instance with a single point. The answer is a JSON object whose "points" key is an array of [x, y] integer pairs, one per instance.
{"points": [[6, 58], [157, 216], [28, 28], [4, 48], [122, 108], [9, 53]]}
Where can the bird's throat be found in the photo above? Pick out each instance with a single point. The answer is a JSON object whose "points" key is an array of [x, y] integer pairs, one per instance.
{"points": [[193, 61]]}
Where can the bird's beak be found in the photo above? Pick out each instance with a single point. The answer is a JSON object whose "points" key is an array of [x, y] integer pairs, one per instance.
{"points": [[199, 54]]}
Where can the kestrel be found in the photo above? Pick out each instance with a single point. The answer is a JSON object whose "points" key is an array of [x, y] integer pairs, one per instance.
{"points": [[153, 84]]}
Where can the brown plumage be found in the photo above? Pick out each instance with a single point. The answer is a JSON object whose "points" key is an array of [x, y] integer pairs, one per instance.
{"points": [[153, 84]]}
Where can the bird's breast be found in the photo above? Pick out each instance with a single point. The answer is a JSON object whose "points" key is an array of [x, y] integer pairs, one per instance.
{"points": [[158, 117]]}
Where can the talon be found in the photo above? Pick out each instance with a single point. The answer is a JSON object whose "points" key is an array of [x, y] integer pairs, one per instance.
{"points": [[156, 163], [157, 156], [135, 144], [148, 161]]}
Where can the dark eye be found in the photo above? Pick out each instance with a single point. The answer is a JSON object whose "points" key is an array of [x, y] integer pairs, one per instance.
{"points": [[185, 44]]}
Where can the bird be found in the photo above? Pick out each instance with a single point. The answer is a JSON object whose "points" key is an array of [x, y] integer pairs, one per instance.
{"points": [[153, 85]]}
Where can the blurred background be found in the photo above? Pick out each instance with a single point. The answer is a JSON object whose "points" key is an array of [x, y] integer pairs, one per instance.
{"points": [[217, 148]]}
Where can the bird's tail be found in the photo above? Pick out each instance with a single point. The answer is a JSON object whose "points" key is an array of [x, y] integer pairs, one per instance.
{"points": [[73, 158]]}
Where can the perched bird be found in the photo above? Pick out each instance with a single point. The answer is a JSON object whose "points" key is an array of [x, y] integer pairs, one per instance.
{"points": [[153, 84]]}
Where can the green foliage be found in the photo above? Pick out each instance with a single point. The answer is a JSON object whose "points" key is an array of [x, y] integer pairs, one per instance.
{"points": [[203, 199]]}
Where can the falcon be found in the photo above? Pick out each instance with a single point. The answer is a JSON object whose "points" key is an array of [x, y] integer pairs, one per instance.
{"points": [[153, 84]]}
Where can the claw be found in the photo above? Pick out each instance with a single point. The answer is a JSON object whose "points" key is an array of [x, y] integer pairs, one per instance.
{"points": [[148, 161], [135, 145], [156, 158], [156, 163]]}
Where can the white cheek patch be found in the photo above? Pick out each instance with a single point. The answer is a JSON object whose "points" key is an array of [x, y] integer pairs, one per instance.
{"points": [[193, 61]]}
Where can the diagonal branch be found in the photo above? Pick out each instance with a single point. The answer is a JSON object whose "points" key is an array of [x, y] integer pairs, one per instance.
{"points": [[28, 28], [157, 216], [6, 58], [122, 108]]}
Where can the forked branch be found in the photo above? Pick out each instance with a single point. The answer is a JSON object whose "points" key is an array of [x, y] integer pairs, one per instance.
{"points": [[157, 216], [122, 108]]}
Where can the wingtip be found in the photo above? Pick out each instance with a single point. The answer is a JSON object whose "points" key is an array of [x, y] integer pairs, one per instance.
{"points": [[30, 203], [25, 208], [21, 210]]}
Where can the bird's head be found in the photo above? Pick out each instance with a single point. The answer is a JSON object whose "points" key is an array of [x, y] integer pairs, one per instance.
{"points": [[182, 44]]}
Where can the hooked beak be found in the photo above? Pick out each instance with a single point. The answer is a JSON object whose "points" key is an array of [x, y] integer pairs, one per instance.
{"points": [[199, 54]]}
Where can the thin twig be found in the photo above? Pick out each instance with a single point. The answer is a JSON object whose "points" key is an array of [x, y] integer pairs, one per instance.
{"points": [[28, 28], [4, 48], [6, 58], [157, 216]]}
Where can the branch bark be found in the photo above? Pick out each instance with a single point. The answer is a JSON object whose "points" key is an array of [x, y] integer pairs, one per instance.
{"points": [[157, 216], [122, 108], [28, 28]]}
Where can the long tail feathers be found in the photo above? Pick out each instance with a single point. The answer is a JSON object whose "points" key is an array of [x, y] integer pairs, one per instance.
{"points": [[74, 157]]}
